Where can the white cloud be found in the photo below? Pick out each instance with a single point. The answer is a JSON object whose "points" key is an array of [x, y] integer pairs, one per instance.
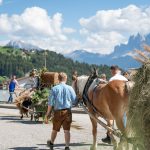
{"points": [[102, 42], [33, 25], [68, 30], [58, 46], [110, 27], [121, 20], [36, 22], [5, 26], [4, 42], [98, 33], [1, 1]]}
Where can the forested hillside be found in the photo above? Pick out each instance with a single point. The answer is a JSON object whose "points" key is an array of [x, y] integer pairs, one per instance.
{"points": [[19, 62]]}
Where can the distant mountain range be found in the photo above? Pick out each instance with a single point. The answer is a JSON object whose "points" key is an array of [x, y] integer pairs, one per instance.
{"points": [[121, 55], [22, 45]]}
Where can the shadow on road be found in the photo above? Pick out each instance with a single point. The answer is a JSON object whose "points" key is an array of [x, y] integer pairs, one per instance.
{"points": [[77, 144], [9, 118], [61, 146], [24, 148], [57, 146], [103, 144], [13, 119], [16, 119], [71, 144], [77, 127]]}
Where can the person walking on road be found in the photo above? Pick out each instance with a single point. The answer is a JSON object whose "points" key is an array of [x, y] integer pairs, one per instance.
{"points": [[62, 98], [12, 85], [116, 75]]}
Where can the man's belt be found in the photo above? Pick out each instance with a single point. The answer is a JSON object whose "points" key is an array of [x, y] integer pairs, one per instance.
{"points": [[62, 109]]}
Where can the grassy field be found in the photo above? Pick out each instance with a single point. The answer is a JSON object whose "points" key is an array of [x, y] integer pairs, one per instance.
{"points": [[8, 50]]}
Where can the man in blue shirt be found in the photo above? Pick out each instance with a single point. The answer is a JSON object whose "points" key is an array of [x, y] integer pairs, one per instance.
{"points": [[12, 85], [62, 98]]}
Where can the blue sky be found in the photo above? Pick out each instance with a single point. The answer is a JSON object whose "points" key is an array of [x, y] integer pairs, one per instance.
{"points": [[66, 25]]}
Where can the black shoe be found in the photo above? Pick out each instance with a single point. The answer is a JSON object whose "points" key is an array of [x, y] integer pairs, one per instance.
{"points": [[67, 148], [107, 140], [50, 144]]}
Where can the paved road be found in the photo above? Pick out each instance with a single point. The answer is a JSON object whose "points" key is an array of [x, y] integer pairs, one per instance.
{"points": [[4, 95], [16, 134]]}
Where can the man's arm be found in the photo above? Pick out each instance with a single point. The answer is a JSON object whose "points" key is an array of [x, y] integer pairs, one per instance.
{"points": [[73, 97], [49, 109], [50, 105]]}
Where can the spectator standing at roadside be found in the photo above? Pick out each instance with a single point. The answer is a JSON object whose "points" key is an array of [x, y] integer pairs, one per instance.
{"points": [[12, 85]]}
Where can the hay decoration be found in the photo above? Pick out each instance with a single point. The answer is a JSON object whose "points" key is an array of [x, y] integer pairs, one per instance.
{"points": [[20, 99], [49, 78], [139, 107], [138, 59], [147, 48], [142, 54]]}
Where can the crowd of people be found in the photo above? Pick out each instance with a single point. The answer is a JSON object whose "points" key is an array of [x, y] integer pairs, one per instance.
{"points": [[62, 98]]}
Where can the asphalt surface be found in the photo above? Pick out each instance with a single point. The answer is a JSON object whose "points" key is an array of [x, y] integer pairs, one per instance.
{"points": [[16, 134]]}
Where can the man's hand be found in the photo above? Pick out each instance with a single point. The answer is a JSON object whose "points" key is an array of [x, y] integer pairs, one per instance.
{"points": [[48, 114], [46, 119]]}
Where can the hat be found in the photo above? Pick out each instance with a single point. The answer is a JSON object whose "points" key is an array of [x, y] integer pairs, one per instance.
{"points": [[33, 72], [114, 67], [103, 75]]}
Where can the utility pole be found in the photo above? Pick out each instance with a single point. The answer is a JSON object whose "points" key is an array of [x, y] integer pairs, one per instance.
{"points": [[45, 59]]}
